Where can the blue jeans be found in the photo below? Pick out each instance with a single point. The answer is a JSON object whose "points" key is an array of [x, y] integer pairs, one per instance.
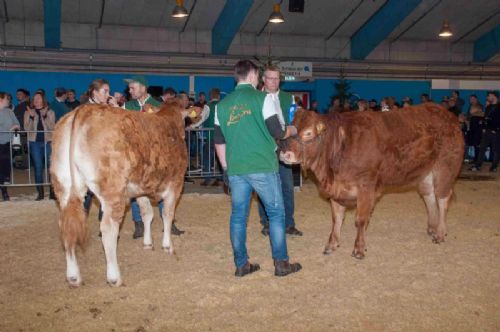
{"points": [[287, 189], [136, 211], [40, 152], [87, 202], [268, 187]]}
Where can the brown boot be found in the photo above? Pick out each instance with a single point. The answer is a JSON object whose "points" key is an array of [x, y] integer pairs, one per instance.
{"points": [[283, 268], [40, 193], [246, 269]]}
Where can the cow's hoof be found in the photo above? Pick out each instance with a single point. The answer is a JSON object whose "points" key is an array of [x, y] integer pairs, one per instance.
{"points": [[148, 247], [169, 250], [437, 239], [115, 283], [327, 251], [358, 255], [74, 282], [431, 232]]}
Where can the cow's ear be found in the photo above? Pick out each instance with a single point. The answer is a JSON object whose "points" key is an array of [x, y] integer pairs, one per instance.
{"points": [[320, 127]]}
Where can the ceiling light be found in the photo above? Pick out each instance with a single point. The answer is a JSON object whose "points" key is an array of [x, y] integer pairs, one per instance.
{"points": [[276, 16], [179, 10], [445, 30]]}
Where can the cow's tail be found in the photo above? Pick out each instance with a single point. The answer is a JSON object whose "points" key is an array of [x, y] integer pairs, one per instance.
{"points": [[73, 217]]}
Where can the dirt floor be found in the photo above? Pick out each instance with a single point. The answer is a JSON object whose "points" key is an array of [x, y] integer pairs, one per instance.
{"points": [[405, 283]]}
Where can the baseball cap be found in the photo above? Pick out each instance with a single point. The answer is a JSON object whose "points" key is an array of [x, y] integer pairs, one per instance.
{"points": [[137, 79]]}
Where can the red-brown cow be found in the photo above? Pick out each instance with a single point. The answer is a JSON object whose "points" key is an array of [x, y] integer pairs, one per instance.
{"points": [[117, 154], [354, 156]]}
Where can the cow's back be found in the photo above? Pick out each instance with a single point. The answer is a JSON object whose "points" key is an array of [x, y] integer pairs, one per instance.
{"points": [[400, 147]]}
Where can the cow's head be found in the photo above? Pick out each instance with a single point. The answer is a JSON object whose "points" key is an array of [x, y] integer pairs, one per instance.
{"points": [[303, 147]]}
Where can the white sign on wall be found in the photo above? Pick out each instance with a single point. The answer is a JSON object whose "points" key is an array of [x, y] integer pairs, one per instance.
{"points": [[465, 85], [296, 70]]}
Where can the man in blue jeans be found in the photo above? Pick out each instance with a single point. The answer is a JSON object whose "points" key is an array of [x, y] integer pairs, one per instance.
{"points": [[246, 126], [284, 103]]}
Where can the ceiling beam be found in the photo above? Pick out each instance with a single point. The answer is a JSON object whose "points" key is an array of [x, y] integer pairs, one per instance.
{"points": [[379, 26], [487, 46], [477, 26], [52, 23], [228, 24]]}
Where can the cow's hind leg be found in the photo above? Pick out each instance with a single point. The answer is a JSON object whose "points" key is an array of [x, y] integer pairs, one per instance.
{"points": [[443, 203], [147, 217], [427, 191], [338, 212], [365, 203], [113, 211], [170, 197]]}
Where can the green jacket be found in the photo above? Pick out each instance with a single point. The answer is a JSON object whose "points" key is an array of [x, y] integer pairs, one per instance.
{"points": [[133, 105]]}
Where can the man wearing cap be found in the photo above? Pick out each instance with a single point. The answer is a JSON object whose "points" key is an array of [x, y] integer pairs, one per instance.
{"points": [[138, 88], [58, 105]]}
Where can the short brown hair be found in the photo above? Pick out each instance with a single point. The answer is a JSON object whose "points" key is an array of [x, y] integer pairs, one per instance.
{"points": [[243, 68], [272, 68]]}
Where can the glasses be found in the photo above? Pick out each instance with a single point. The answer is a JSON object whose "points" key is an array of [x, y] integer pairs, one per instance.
{"points": [[272, 78]]}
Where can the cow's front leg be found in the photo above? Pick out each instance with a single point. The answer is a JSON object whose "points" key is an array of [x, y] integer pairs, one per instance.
{"points": [[365, 203], [147, 218], [110, 227], [169, 201], [338, 212]]}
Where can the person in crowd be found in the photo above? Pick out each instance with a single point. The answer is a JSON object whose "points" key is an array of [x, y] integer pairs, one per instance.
{"points": [[202, 99], [40, 120], [476, 118], [453, 108], [373, 105], [314, 106], [8, 122], [285, 104], [138, 89], [491, 133], [335, 105], [209, 145], [169, 94], [71, 102], [459, 102], [58, 105], [424, 98], [407, 102], [23, 99], [445, 103], [362, 105], [250, 163]]}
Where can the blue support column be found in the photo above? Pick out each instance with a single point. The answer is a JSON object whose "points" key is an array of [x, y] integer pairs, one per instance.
{"points": [[379, 26], [487, 46], [228, 24], [52, 23]]}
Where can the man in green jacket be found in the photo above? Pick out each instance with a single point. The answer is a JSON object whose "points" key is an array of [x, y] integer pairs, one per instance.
{"points": [[246, 126]]}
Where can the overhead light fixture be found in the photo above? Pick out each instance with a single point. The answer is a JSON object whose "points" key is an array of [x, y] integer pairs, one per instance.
{"points": [[276, 16], [179, 10], [445, 30]]}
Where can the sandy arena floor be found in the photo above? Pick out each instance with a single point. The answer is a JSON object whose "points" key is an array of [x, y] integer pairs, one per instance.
{"points": [[406, 283]]}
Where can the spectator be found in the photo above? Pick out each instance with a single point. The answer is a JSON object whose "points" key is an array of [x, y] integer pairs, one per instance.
{"points": [[491, 133], [202, 100], [58, 105], [445, 103], [40, 118], [424, 98], [453, 108], [373, 105], [168, 94], [335, 105], [71, 102], [476, 117], [209, 147], [459, 102], [314, 106], [362, 105], [8, 122], [23, 98], [407, 102]]}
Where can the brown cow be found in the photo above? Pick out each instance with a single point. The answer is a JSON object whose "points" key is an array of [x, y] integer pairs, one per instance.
{"points": [[117, 154], [354, 156]]}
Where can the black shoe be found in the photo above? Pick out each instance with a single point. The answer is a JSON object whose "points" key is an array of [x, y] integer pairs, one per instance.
{"points": [[40, 193], [246, 269], [52, 195], [284, 268], [5, 194], [293, 231], [493, 169], [139, 230], [176, 231], [265, 230]]}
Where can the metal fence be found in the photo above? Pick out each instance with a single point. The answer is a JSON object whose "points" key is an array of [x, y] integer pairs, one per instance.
{"points": [[26, 164]]}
